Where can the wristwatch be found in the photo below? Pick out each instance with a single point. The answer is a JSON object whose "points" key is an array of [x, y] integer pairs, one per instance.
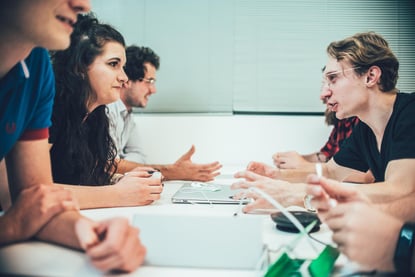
{"points": [[404, 248], [307, 203]]}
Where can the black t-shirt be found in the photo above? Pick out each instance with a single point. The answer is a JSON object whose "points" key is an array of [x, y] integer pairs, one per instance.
{"points": [[360, 150]]}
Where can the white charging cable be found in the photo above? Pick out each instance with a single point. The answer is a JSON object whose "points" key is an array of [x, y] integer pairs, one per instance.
{"points": [[319, 169], [284, 211]]}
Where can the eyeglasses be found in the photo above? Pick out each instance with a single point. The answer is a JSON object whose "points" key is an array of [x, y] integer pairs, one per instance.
{"points": [[149, 81], [330, 78]]}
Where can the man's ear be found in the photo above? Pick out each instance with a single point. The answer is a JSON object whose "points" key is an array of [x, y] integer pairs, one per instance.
{"points": [[373, 76]]}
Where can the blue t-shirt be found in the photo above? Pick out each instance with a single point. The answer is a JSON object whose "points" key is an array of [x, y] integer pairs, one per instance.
{"points": [[360, 150], [26, 100]]}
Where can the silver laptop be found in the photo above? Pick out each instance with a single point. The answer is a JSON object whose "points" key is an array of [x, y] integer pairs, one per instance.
{"points": [[202, 241], [206, 193]]}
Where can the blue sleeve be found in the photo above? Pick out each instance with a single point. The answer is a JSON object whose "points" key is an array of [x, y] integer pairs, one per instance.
{"points": [[43, 82]]}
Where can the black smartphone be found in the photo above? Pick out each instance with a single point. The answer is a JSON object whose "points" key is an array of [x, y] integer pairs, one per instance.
{"points": [[305, 218]]}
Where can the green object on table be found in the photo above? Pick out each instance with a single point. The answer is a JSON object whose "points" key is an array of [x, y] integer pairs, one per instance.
{"points": [[323, 265], [284, 266]]}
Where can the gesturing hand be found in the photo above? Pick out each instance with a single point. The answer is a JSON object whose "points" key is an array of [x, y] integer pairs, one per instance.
{"points": [[185, 169]]}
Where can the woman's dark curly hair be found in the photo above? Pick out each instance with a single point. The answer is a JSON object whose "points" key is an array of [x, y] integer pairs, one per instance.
{"points": [[82, 145]]}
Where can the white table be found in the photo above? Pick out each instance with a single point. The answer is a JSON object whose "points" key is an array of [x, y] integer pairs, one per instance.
{"points": [[43, 259]]}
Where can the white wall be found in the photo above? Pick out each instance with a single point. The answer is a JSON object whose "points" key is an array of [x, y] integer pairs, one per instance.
{"points": [[230, 139]]}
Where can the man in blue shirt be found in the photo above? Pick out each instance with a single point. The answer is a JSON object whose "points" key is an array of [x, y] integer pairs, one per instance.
{"points": [[39, 208]]}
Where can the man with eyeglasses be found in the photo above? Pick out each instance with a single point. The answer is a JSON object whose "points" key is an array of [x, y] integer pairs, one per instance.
{"points": [[141, 67], [360, 80], [341, 130]]}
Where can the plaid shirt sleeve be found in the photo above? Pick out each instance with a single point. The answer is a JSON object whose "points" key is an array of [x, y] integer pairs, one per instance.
{"points": [[341, 131]]}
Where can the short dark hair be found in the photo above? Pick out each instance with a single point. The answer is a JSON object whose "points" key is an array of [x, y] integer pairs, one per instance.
{"points": [[136, 58]]}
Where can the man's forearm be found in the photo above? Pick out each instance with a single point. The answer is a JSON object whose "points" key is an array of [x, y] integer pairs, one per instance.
{"points": [[7, 233], [61, 230], [167, 170], [124, 166], [402, 208], [384, 192]]}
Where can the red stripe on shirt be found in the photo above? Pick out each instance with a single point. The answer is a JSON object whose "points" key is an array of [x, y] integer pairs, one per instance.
{"points": [[35, 134]]}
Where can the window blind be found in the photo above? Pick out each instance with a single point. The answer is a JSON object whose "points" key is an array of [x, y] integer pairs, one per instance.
{"points": [[254, 56]]}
